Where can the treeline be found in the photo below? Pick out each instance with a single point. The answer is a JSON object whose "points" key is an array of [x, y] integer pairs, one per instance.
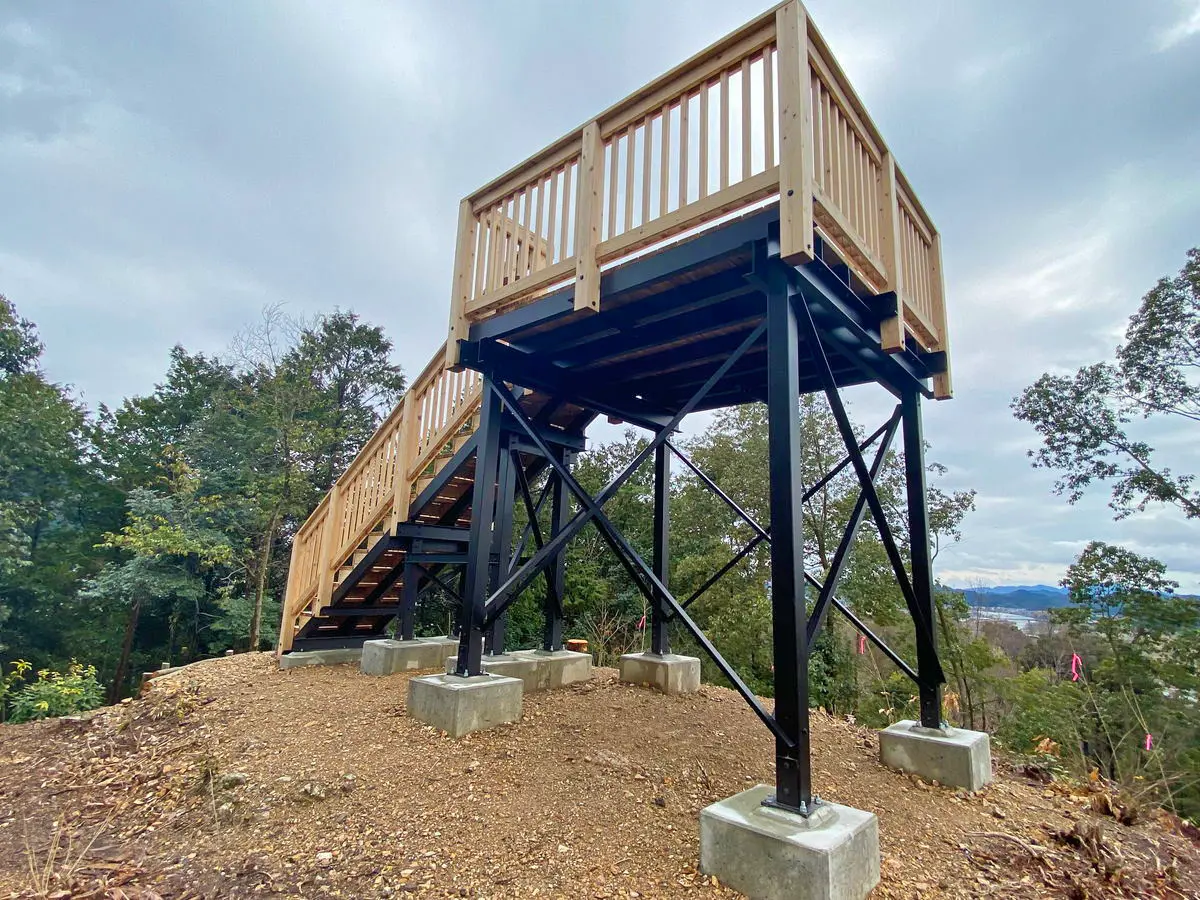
{"points": [[160, 530]]}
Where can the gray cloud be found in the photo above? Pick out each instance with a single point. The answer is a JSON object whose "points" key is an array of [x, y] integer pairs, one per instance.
{"points": [[170, 168]]}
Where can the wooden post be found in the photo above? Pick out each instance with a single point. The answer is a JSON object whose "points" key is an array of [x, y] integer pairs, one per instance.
{"points": [[943, 386], [588, 212], [464, 263], [329, 538], [287, 624], [891, 330], [795, 135], [401, 488]]}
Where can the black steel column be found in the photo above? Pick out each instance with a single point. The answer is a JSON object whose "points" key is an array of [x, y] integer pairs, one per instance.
{"points": [[506, 486], [408, 599], [922, 562], [659, 639], [556, 585], [483, 507], [793, 775]]}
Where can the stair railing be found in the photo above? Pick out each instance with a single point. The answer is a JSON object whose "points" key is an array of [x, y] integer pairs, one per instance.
{"points": [[376, 489]]}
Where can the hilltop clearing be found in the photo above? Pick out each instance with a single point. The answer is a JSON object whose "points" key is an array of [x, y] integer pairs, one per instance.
{"points": [[234, 779]]}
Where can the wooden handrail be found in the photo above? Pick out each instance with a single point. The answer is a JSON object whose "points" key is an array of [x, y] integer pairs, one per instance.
{"points": [[764, 112]]}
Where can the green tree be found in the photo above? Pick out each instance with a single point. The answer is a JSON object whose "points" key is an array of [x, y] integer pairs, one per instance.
{"points": [[1086, 420]]}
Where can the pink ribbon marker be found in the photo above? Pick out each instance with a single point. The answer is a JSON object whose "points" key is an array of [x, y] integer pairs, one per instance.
{"points": [[1076, 666], [862, 643], [1149, 742], [642, 623]]}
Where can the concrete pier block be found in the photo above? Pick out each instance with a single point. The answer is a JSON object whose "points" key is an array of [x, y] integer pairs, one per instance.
{"points": [[508, 664], [459, 706], [320, 657], [387, 657], [770, 854], [558, 668], [954, 757], [669, 673]]}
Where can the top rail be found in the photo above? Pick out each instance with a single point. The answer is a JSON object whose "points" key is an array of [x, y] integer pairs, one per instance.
{"points": [[765, 114]]}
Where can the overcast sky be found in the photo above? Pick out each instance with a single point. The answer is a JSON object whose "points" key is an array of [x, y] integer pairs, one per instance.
{"points": [[167, 169]]}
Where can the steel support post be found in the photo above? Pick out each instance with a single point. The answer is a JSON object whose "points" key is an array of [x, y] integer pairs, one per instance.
{"points": [[793, 774], [408, 601], [928, 667], [556, 574], [659, 615], [483, 509], [498, 556]]}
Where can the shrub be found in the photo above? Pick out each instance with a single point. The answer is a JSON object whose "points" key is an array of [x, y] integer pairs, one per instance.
{"points": [[57, 694]]}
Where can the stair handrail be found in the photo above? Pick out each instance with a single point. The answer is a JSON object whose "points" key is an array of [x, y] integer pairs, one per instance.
{"points": [[376, 487]]}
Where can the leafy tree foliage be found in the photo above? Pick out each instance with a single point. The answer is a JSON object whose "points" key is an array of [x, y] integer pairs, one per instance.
{"points": [[1085, 420]]}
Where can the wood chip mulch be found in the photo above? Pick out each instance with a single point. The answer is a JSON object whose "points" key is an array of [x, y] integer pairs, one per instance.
{"points": [[231, 778]]}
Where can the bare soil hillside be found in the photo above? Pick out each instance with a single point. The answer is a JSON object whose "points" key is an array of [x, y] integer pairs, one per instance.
{"points": [[234, 779]]}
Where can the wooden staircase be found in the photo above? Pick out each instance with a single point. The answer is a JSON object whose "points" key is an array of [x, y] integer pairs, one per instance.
{"points": [[402, 509]]}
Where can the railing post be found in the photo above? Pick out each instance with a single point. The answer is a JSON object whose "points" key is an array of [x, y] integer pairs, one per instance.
{"points": [[287, 629], [943, 385], [892, 329], [589, 209], [464, 264], [329, 539], [401, 488], [795, 135]]}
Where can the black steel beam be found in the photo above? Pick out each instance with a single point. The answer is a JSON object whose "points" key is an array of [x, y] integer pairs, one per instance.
{"points": [[920, 554], [793, 772], [659, 638], [483, 493]]}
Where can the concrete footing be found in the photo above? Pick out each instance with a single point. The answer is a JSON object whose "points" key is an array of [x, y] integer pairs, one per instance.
{"points": [[387, 657], [320, 657], [770, 854], [539, 670], [954, 757], [558, 668], [459, 706], [669, 673]]}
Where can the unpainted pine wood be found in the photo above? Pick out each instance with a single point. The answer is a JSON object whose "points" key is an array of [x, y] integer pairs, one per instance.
{"points": [[747, 117], [892, 329], [464, 258], [795, 136], [587, 220]]}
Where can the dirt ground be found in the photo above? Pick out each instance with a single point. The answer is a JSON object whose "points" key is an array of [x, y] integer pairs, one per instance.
{"points": [[234, 779]]}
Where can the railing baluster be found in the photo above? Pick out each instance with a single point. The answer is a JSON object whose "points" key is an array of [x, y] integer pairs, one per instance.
{"points": [[684, 151], [664, 186], [704, 139], [768, 110], [724, 179], [647, 165], [630, 132], [746, 155]]}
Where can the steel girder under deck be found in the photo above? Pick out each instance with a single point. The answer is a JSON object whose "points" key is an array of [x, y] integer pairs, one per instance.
{"points": [[716, 321]]}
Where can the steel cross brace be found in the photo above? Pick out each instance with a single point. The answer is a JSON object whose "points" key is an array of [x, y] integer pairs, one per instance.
{"points": [[919, 615], [515, 583], [640, 571], [761, 534]]}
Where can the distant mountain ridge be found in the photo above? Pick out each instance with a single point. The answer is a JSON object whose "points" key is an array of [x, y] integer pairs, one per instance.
{"points": [[1026, 597]]}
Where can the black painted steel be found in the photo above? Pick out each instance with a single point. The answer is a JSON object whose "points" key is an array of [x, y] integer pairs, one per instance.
{"points": [[842, 555], [501, 549], [659, 638], [552, 636], [922, 562], [483, 504], [793, 773], [408, 601]]}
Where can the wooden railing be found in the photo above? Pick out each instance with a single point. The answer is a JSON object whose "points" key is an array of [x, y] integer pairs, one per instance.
{"points": [[766, 114], [404, 454]]}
